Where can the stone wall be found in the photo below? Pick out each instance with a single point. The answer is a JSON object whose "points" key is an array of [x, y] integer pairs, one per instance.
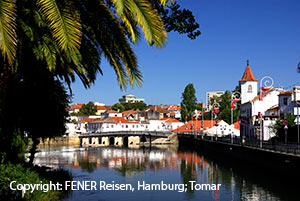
{"points": [[74, 141]]}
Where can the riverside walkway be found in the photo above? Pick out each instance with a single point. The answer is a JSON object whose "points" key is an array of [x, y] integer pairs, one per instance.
{"points": [[268, 146]]}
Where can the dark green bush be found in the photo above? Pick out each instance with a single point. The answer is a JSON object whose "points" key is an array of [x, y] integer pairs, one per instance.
{"points": [[28, 175]]}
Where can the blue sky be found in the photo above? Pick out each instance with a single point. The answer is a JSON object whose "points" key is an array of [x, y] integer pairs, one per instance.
{"points": [[267, 32]]}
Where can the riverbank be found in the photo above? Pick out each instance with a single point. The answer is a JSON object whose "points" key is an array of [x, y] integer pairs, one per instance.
{"points": [[24, 173]]}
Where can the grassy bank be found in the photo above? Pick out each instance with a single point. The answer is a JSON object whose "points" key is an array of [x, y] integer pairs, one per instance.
{"points": [[26, 174]]}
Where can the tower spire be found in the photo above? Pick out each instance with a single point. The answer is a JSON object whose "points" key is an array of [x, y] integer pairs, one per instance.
{"points": [[248, 75]]}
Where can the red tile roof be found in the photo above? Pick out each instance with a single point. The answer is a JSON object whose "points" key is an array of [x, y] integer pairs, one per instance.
{"points": [[170, 120], [77, 106], [191, 126], [172, 107], [103, 107], [284, 93], [115, 120], [156, 108], [237, 125], [87, 120], [129, 111], [248, 75]]}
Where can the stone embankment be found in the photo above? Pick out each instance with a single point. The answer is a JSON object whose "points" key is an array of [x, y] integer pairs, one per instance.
{"points": [[172, 139], [67, 141]]}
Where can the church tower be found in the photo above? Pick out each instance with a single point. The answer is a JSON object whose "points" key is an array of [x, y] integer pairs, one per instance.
{"points": [[248, 85]]}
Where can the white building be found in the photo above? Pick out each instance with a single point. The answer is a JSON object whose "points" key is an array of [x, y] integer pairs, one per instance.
{"points": [[131, 99], [115, 124], [222, 129], [251, 107], [288, 102]]}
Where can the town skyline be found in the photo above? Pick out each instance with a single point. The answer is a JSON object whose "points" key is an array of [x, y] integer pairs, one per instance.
{"points": [[265, 33]]}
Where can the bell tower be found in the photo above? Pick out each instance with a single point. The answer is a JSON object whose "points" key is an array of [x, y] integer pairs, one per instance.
{"points": [[248, 85]]}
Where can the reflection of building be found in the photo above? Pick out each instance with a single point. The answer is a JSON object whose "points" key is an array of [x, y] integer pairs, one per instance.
{"points": [[131, 99], [209, 95]]}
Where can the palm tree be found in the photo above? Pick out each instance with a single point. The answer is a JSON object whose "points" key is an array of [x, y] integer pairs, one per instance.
{"points": [[67, 38], [71, 36]]}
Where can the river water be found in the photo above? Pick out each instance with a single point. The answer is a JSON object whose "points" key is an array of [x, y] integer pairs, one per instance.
{"points": [[163, 166]]}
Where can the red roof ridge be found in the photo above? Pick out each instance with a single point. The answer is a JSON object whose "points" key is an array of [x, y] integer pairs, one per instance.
{"points": [[129, 111], [191, 126], [264, 94], [248, 75], [286, 93]]}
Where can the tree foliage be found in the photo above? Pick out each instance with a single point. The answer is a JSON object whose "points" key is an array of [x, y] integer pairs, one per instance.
{"points": [[88, 109], [224, 102], [45, 43], [118, 107], [177, 19], [188, 103], [35, 104], [129, 106], [72, 36], [292, 134]]}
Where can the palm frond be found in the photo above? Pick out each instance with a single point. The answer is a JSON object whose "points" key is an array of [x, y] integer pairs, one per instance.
{"points": [[65, 26], [146, 17], [8, 37], [109, 38], [164, 2]]}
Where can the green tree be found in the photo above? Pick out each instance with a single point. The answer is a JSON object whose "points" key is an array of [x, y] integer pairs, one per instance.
{"points": [[37, 106], [224, 101], [118, 107], [278, 128], [177, 19], [134, 106], [188, 103], [88, 109], [139, 106]]}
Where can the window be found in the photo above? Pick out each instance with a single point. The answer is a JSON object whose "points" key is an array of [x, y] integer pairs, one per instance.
{"points": [[285, 101], [107, 126], [112, 126], [132, 126], [126, 126], [250, 89]]}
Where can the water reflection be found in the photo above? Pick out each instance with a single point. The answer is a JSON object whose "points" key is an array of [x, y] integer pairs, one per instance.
{"points": [[126, 165]]}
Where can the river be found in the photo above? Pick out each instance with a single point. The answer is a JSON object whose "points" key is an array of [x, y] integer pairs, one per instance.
{"points": [[163, 166]]}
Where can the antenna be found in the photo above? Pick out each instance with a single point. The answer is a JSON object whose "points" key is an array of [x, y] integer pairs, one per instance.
{"points": [[298, 68]]}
